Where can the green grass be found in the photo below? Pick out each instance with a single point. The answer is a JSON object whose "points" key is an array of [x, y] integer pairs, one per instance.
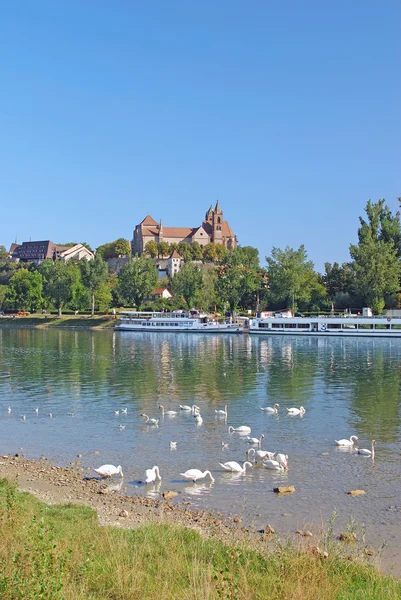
{"points": [[60, 552]]}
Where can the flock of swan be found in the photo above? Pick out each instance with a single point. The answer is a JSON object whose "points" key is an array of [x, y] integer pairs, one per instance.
{"points": [[275, 461]]}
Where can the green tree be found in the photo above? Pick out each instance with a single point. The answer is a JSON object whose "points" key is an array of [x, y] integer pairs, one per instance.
{"points": [[185, 251], [24, 291], [116, 249], [103, 296], [236, 278], [3, 252], [151, 248], [337, 278], [381, 224], [187, 283], [60, 280], [163, 249], [206, 297], [210, 252], [94, 274], [196, 251], [136, 280], [292, 278]]}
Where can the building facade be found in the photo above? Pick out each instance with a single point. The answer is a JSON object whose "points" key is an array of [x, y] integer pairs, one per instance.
{"points": [[39, 251], [213, 229]]}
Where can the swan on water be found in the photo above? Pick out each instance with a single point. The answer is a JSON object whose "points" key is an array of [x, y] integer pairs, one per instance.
{"points": [[196, 474], [198, 419], [116, 412], [296, 411], [366, 452], [271, 409], [23, 417], [124, 411], [173, 445], [109, 471], [222, 412], [281, 458], [167, 412], [150, 421], [349, 442], [121, 427], [9, 409], [274, 465], [260, 455], [241, 429], [253, 440], [152, 474], [235, 467], [50, 415], [187, 408], [37, 410]]}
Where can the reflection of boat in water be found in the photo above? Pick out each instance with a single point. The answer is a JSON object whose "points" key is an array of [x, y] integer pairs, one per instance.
{"points": [[353, 326], [176, 321]]}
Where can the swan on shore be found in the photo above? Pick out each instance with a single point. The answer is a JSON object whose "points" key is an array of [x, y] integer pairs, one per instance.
{"points": [[169, 413], [150, 421], [109, 470], [196, 474], [241, 429], [235, 467], [345, 442], [271, 409], [366, 452], [296, 411], [152, 474]]}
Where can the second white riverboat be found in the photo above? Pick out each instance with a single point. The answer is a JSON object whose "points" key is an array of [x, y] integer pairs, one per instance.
{"points": [[176, 321]]}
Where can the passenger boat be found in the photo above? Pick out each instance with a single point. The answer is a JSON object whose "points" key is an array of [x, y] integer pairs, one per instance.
{"points": [[176, 321], [327, 325]]}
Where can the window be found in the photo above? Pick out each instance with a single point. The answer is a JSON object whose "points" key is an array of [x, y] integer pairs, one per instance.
{"points": [[277, 326], [333, 325], [303, 326], [365, 326], [289, 325]]}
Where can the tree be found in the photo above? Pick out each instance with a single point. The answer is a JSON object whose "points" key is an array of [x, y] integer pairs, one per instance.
{"points": [[337, 279], [3, 252], [210, 252], [236, 278], [206, 296], [24, 290], [60, 280], [187, 283], [136, 280], [185, 251], [292, 278], [116, 249], [196, 251], [151, 248], [94, 275], [163, 249], [376, 264]]}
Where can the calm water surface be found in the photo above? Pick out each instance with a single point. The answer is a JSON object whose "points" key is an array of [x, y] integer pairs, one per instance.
{"points": [[348, 386]]}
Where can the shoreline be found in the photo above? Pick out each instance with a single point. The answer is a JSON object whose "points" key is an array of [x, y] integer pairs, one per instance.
{"points": [[75, 322], [74, 484]]}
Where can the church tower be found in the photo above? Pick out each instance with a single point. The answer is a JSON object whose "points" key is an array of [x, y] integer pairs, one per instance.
{"points": [[217, 220]]}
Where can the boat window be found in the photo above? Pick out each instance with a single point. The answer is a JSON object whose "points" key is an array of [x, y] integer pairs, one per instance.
{"points": [[348, 326], [277, 326], [263, 325], [303, 325], [377, 326], [395, 326], [333, 325], [365, 325], [290, 326]]}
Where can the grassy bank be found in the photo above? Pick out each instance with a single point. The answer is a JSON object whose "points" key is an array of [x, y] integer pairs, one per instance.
{"points": [[50, 321], [60, 552]]}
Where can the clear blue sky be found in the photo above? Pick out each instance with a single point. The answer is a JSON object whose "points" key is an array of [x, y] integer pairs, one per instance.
{"points": [[287, 112]]}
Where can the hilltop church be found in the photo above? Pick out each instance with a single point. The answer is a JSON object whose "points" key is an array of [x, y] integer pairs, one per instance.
{"points": [[213, 229]]}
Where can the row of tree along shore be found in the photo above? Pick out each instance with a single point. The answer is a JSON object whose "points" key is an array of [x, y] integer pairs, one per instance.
{"points": [[213, 278]]}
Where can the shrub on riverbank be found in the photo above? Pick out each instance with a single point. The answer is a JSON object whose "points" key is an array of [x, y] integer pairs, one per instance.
{"points": [[60, 553]]}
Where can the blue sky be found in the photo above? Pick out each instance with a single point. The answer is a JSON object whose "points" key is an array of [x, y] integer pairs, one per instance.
{"points": [[287, 112]]}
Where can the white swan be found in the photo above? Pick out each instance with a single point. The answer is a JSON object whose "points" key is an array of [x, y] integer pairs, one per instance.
{"points": [[187, 408], [198, 419], [260, 455], [252, 440], [173, 445], [348, 443], [152, 474], [23, 417], [281, 458], [222, 412], [235, 467], [116, 412], [167, 412], [9, 409], [121, 427], [150, 421], [109, 471], [366, 452], [196, 474], [274, 465], [271, 409], [296, 411], [50, 415], [241, 429], [124, 411]]}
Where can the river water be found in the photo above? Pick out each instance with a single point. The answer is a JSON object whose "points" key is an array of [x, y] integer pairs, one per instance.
{"points": [[348, 387]]}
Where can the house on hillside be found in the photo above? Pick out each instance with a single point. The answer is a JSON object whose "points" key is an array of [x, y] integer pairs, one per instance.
{"points": [[39, 251], [160, 293], [213, 229]]}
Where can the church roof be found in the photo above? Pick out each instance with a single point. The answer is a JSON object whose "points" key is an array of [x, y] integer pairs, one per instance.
{"points": [[148, 220], [217, 208], [178, 232]]}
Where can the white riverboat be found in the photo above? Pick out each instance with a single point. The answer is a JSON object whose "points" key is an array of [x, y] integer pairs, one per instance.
{"points": [[327, 325], [176, 321]]}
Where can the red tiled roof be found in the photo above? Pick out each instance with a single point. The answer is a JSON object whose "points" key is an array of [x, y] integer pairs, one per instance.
{"points": [[178, 232], [175, 254], [148, 220], [160, 291]]}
